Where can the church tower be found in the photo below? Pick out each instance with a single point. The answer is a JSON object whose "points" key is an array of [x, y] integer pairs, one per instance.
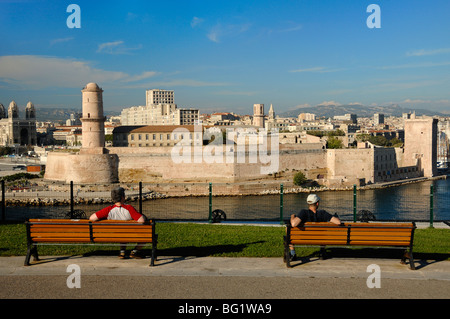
{"points": [[30, 111], [258, 115], [271, 113]]}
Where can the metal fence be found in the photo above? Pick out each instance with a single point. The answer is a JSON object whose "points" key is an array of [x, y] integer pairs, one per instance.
{"points": [[425, 201]]}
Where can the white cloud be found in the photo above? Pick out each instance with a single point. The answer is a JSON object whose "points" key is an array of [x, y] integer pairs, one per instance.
{"points": [[318, 69], [414, 65], [220, 31], [196, 21], [142, 76], [292, 26], [213, 35], [61, 40], [237, 93], [116, 47], [177, 82], [428, 52], [37, 72]]}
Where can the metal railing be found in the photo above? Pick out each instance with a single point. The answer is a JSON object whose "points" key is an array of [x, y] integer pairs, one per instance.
{"points": [[176, 202]]}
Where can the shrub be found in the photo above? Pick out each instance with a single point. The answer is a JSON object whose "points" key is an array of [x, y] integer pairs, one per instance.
{"points": [[300, 179]]}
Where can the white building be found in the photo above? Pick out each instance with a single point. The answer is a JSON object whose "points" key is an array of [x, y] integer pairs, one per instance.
{"points": [[160, 109]]}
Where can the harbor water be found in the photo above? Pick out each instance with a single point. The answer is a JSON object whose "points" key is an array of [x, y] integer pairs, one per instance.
{"points": [[410, 202]]}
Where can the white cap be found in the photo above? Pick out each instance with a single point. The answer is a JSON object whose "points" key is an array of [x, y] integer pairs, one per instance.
{"points": [[312, 199]]}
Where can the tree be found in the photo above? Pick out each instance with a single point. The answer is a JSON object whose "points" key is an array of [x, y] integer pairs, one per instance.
{"points": [[395, 142], [334, 142], [299, 179]]}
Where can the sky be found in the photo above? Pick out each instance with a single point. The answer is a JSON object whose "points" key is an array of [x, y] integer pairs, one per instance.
{"points": [[225, 56]]}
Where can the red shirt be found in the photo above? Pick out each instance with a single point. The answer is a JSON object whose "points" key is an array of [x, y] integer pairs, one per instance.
{"points": [[116, 212]]}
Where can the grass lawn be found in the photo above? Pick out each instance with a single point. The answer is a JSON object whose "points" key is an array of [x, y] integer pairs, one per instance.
{"points": [[191, 239]]}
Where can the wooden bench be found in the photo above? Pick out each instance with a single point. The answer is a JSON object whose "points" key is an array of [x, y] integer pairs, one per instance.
{"points": [[85, 232], [374, 234]]}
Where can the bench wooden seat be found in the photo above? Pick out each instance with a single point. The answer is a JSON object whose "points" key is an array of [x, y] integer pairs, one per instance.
{"points": [[86, 232], [374, 234]]}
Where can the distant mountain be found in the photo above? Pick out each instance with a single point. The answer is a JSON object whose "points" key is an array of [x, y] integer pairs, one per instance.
{"points": [[61, 114], [358, 109]]}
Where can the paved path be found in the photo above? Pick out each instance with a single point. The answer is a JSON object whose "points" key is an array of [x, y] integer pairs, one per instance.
{"points": [[224, 278]]}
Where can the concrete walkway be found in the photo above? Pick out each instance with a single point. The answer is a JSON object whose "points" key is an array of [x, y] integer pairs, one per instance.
{"points": [[181, 278]]}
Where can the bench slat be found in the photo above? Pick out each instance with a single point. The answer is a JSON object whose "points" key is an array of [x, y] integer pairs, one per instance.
{"points": [[319, 242], [380, 243], [60, 229], [121, 235], [123, 240], [62, 240], [312, 232], [58, 221], [59, 234], [124, 229]]}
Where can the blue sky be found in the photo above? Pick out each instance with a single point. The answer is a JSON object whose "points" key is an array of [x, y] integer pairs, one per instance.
{"points": [[227, 55]]}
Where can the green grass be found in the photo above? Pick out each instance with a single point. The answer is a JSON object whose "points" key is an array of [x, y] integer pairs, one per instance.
{"points": [[191, 239]]}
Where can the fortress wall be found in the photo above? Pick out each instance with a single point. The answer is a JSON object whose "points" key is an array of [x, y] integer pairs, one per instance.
{"points": [[158, 164], [133, 164], [56, 166], [86, 168], [82, 168], [347, 166]]}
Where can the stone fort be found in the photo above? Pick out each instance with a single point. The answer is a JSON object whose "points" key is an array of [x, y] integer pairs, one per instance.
{"points": [[366, 164]]}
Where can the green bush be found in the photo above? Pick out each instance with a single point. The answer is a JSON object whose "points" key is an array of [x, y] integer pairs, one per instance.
{"points": [[300, 179], [18, 176]]}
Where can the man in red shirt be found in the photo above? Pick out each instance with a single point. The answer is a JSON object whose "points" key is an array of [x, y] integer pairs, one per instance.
{"points": [[121, 211]]}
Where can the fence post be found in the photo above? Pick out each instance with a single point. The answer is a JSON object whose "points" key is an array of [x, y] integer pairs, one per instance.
{"points": [[3, 201], [140, 197], [210, 203], [281, 204], [354, 203], [71, 197], [431, 205]]}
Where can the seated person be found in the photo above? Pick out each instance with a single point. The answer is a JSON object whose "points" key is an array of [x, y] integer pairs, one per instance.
{"points": [[312, 214], [121, 211]]}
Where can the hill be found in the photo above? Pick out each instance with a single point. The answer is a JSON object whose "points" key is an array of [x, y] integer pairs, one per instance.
{"points": [[61, 114], [358, 109]]}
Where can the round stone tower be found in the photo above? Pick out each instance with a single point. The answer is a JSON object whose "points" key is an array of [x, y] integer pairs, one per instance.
{"points": [[92, 164], [92, 120]]}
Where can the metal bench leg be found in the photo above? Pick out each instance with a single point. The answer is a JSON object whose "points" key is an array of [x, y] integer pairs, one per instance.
{"points": [[323, 252], [154, 252], [31, 250], [27, 257], [409, 255], [411, 261]]}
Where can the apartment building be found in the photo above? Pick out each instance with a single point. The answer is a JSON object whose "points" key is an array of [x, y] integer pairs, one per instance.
{"points": [[160, 109]]}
